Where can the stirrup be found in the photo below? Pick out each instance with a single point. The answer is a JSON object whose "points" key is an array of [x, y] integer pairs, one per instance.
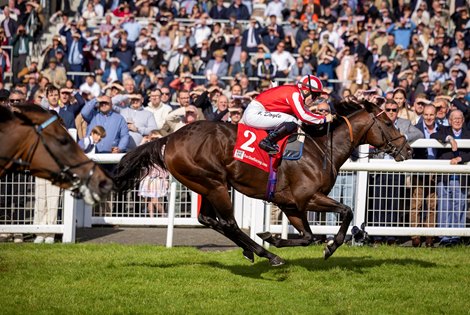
{"points": [[269, 147]]}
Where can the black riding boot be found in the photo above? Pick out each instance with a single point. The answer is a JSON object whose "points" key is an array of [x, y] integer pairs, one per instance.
{"points": [[269, 144]]}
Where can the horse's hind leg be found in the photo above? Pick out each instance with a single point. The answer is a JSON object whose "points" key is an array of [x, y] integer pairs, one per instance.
{"points": [[220, 200], [208, 217], [299, 220], [322, 203]]}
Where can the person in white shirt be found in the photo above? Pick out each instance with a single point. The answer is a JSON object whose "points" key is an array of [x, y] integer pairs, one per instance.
{"points": [[282, 59], [89, 143], [159, 110], [90, 86], [274, 7], [202, 31]]}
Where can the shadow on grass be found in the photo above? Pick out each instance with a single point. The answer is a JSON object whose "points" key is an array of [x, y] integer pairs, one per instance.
{"points": [[89, 234], [262, 270]]}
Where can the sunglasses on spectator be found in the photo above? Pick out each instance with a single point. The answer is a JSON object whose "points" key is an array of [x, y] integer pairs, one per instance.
{"points": [[165, 93], [103, 103], [15, 100], [323, 110], [391, 110]]}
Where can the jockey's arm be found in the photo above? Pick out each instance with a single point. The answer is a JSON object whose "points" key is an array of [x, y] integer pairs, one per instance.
{"points": [[302, 113]]}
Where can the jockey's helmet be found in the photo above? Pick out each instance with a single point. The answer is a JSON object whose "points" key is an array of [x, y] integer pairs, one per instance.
{"points": [[310, 84]]}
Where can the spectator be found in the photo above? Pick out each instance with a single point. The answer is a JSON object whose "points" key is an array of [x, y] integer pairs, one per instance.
{"points": [[266, 71], [235, 115], [283, 60], [179, 118], [242, 67], [159, 110], [20, 42], [8, 24], [218, 65], [218, 11], [75, 57], [239, 10], [139, 121], [387, 189], [56, 75], [51, 102], [46, 206], [113, 72], [404, 109], [90, 86], [300, 69], [423, 199], [451, 191], [251, 37], [442, 111], [99, 111], [89, 143]]}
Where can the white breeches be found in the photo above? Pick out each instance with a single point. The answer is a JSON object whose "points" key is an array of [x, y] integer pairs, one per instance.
{"points": [[256, 116]]}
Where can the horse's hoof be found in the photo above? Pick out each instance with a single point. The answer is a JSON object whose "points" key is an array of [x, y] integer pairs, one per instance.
{"points": [[327, 252], [265, 235], [276, 261], [249, 255]]}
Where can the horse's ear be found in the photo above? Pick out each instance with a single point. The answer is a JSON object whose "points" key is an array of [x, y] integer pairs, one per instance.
{"points": [[18, 113]]}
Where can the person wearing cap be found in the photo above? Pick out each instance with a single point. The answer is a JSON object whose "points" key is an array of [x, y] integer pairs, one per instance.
{"points": [[266, 71], [281, 109], [51, 50], [99, 112], [75, 58], [113, 72], [218, 65], [55, 74]]}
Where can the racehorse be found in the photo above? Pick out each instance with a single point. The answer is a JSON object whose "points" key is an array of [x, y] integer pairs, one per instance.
{"points": [[34, 139], [200, 156]]}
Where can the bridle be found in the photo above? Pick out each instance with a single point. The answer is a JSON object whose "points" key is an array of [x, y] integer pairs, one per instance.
{"points": [[66, 175], [389, 147]]}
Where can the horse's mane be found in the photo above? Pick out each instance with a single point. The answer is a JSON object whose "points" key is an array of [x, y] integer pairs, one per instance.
{"points": [[341, 108]]}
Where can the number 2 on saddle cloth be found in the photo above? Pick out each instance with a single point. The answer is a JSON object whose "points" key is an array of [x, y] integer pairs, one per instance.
{"points": [[247, 150]]}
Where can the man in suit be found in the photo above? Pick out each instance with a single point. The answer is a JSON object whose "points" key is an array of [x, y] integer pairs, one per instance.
{"points": [[243, 66], [8, 24], [75, 58], [251, 37], [451, 192], [145, 61], [100, 65], [52, 94]]}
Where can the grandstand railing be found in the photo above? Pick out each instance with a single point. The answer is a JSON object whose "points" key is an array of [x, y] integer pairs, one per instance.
{"points": [[16, 209]]}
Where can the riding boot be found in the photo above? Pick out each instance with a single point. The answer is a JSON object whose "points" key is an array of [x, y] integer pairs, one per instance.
{"points": [[269, 144]]}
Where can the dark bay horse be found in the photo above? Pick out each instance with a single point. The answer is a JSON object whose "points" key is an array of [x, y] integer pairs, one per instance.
{"points": [[34, 139], [200, 157]]}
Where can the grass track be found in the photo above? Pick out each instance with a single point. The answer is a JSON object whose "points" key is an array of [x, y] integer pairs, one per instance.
{"points": [[144, 279]]}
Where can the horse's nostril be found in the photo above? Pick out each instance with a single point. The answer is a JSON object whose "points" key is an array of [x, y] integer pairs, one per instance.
{"points": [[106, 186]]}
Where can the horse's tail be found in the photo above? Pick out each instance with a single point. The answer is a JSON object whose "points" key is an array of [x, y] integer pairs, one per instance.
{"points": [[137, 163]]}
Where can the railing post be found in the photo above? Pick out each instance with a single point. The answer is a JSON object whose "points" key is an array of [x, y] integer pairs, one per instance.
{"points": [[361, 188], [69, 218], [171, 216]]}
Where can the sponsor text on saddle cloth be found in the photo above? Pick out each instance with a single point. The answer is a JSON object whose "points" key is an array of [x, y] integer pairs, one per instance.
{"points": [[247, 150]]}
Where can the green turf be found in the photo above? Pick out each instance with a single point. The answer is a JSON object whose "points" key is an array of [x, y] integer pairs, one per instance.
{"points": [[123, 279]]}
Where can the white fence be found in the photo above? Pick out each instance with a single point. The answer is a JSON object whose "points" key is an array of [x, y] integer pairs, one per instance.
{"points": [[385, 206]]}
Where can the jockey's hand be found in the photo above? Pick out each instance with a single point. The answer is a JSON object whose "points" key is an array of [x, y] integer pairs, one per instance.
{"points": [[329, 117]]}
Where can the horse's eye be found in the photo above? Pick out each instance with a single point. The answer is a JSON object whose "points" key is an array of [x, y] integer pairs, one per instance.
{"points": [[64, 140]]}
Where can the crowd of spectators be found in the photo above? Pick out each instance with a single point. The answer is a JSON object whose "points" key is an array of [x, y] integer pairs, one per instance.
{"points": [[157, 65]]}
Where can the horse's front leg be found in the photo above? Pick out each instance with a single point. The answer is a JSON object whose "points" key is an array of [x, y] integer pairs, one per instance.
{"points": [[299, 221], [322, 203]]}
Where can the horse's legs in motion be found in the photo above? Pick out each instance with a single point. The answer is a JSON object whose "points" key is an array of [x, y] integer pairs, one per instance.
{"points": [[299, 220], [208, 217], [220, 200], [322, 203]]}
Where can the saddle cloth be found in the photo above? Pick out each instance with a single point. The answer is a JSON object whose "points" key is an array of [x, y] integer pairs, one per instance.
{"points": [[247, 150]]}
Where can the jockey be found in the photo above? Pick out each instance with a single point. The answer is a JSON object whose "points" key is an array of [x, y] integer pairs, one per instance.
{"points": [[281, 109]]}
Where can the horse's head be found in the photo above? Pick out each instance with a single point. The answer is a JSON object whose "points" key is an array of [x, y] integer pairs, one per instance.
{"points": [[50, 152], [384, 136]]}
